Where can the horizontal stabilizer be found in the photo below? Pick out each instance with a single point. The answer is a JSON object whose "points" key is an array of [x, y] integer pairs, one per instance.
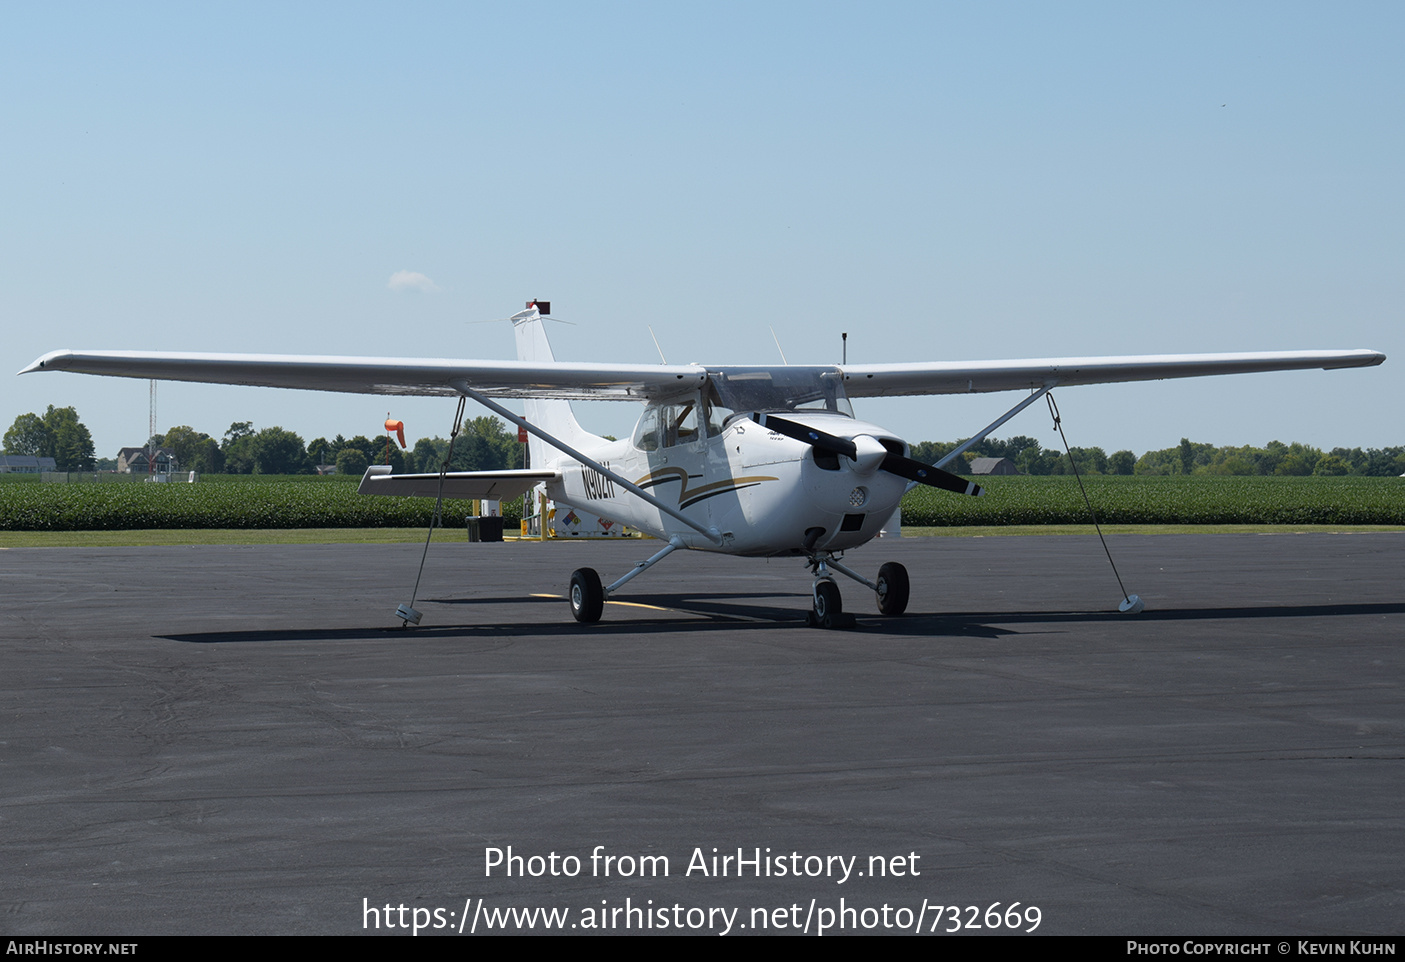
{"points": [[494, 485]]}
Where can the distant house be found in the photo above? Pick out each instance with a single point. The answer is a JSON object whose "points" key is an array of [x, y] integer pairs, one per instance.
{"points": [[25, 464], [134, 461], [993, 466]]}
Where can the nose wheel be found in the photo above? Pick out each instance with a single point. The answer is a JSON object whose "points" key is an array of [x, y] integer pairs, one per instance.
{"points": [[828, 610], [829, 605]]}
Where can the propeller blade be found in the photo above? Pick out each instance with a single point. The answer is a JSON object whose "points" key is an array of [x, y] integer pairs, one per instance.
{"points": [[893, 463], [819, 439], [928, 475]]}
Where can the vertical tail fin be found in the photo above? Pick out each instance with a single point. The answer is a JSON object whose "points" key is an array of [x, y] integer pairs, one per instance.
{"points": [[552, 416]]}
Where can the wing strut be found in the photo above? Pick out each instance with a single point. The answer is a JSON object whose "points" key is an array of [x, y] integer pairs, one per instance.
{"points": [[408, 612], [1130, 603], [985, 432], [711, 534]]}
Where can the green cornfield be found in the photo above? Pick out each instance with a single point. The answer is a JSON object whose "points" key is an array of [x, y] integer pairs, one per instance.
{"points": [[251, 501], [247, 501], [1197, 499]]}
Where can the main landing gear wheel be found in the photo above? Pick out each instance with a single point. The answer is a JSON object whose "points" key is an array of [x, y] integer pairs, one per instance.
{"points": [[893, 589], [587, 596]]}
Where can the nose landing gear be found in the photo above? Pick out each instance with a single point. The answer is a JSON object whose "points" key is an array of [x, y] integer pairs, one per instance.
{"points": [[892, 589], [828, 610]]}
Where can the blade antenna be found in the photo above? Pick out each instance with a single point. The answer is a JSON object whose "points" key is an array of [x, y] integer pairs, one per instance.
{"points": [[656, 343], [1130, 604], [408, 612]]}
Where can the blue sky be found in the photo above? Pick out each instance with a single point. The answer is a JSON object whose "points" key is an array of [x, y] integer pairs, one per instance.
{"points": [[942, 181]]}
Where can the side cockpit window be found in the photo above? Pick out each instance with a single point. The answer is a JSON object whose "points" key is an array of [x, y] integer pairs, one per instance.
{"points": [[679, 423], [667, 426], [646, 432]]}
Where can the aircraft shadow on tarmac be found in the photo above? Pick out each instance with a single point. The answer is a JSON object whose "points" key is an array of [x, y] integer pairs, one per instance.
{"points": [[721, 612]]}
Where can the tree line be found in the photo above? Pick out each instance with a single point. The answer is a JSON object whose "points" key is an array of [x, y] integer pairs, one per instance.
{"points": [[485, 444], [1188, 457]]}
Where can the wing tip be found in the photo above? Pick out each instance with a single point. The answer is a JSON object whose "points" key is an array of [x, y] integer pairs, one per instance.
{"points": [[44, 363], [1359, 358]]}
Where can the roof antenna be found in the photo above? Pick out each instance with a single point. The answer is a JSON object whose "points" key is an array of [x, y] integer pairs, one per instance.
{"points": [[845, 337], [778, 345], [656, 343]]}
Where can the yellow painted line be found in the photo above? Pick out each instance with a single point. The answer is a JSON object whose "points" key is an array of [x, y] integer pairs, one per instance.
{"points": [[636, 604], [677, 611], [689, 611], [627, 604]]}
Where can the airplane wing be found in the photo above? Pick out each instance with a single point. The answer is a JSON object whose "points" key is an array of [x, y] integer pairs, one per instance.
{"points": [[496, 485], [559, 379], [975, 377], [386, 375]]}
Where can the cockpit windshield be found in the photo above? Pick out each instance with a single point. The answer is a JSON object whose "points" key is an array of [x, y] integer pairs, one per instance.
{"points": [[742, 390]]}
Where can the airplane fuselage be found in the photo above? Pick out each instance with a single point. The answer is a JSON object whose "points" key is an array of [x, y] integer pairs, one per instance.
{"points": [[765, 493]]}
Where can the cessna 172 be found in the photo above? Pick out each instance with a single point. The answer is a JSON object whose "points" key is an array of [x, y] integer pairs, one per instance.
{"points": [[756, 461]]}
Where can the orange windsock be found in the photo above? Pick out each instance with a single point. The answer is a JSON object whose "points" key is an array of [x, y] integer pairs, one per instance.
{"points": [[399, 428]]}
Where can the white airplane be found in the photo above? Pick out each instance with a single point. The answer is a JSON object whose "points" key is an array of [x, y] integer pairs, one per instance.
{"points": [[758, 461]]}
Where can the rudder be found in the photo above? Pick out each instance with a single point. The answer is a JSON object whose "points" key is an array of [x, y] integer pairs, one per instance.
{"points": [[554, 416]]}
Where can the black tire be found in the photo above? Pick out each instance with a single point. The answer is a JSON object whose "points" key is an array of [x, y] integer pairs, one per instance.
{"points": [[828, 603], [893, 589], [587, 596]]}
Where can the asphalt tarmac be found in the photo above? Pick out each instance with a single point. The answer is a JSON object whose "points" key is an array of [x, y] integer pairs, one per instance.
{"points": [[241, 740]]}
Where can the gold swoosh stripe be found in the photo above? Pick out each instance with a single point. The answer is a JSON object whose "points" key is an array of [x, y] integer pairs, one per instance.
{"points": [[688, 496]]}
